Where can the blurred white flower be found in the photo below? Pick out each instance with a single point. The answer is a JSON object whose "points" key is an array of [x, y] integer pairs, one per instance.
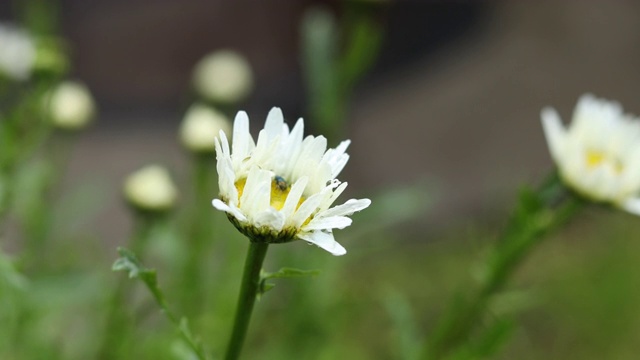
{"points": [[223, 77], [151, 188], [281, 188], [17, 52], [200, 126], [70, 106], [599, 154]]}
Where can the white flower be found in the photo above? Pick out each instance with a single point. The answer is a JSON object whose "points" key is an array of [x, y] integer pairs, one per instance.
{"points": [[200, 126], [151, 188], [281, 188], [223, 76], [17, 52], [599, 154], [70, 105]]}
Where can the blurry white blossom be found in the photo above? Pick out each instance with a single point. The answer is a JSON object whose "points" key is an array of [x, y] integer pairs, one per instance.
{"points": [[200, 127], [223, 77], [70, 105], [17, 52], [598, 155], [281, 188], [151, 188]]}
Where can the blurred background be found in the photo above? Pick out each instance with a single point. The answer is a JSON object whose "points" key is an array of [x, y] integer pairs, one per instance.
{"points": [[451, 103], [454, 96]]}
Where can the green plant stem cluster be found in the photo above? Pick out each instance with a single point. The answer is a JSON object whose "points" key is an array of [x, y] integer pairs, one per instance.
{"points": [[536, 215]]}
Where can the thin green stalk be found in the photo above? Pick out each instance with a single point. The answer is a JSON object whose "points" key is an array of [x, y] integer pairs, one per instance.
{"points": [[537, 215], [200, 234], [248, 292], [116, 328]]}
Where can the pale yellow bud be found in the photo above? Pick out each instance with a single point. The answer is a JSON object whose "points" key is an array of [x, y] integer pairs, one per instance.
{"points": [[70, 106], [17, 52], [223, 76], [200, 127], [151, 188]]}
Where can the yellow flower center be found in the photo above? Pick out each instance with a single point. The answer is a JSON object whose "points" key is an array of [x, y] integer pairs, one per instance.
{"points": [[280, 189], [599, 158]]}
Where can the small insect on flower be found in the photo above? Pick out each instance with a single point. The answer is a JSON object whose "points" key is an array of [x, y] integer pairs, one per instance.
{"points": [[282, 187], [281, 183]]}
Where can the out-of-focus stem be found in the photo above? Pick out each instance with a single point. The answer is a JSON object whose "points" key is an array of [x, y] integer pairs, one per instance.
{"points": [[519, 240]]}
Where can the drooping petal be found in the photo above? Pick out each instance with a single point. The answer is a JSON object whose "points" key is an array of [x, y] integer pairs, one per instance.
{"points": [[325, 241]]}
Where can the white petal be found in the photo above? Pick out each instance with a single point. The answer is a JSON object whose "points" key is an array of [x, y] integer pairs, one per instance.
{"points": [[273, 125], [332, 222], [256, 193], [306, 209], [326, 203], [347, 208], [632, 205], [242, 141], [271, 218], [294, 197], [325, 241], [218, 204], [553, 131]]}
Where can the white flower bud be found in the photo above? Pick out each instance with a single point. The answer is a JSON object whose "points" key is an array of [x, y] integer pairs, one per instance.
{"points": [[17, 52], [200, 127], [70, 106], [223, 77], [151, 188]]}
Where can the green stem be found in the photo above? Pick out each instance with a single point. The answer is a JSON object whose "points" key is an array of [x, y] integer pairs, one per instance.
{"points": [[525, 230], [248, 293]]}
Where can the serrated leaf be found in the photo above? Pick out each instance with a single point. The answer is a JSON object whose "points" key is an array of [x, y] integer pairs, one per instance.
{"points": [[129, 262]]}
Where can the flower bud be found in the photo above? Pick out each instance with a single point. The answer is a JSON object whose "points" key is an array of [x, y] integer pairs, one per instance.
{"points": [[200, 127], [17, 53], [223, 77], [70, 106], [151, 189]]}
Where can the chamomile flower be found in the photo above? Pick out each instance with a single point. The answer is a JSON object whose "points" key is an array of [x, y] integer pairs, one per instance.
{"points": [[598, 155], [282, 187]]}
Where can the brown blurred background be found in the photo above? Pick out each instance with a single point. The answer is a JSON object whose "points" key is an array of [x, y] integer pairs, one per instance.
{"points": [[454, 98]]}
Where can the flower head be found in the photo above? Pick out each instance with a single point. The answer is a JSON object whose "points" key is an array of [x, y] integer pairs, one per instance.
{"points": [[70, 105], [223, 77], [17, 52], [200, 126], [598, 155], [281, 188], [151, 189]]}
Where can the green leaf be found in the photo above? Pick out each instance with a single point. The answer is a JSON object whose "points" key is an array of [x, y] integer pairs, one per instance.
{"points": [[129, 262], [289, 273], [265, 286]]}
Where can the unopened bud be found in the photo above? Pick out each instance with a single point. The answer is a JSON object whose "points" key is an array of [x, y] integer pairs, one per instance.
{"points": [[200, 126], [151, 189], [70, 106], [223, 77]]}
